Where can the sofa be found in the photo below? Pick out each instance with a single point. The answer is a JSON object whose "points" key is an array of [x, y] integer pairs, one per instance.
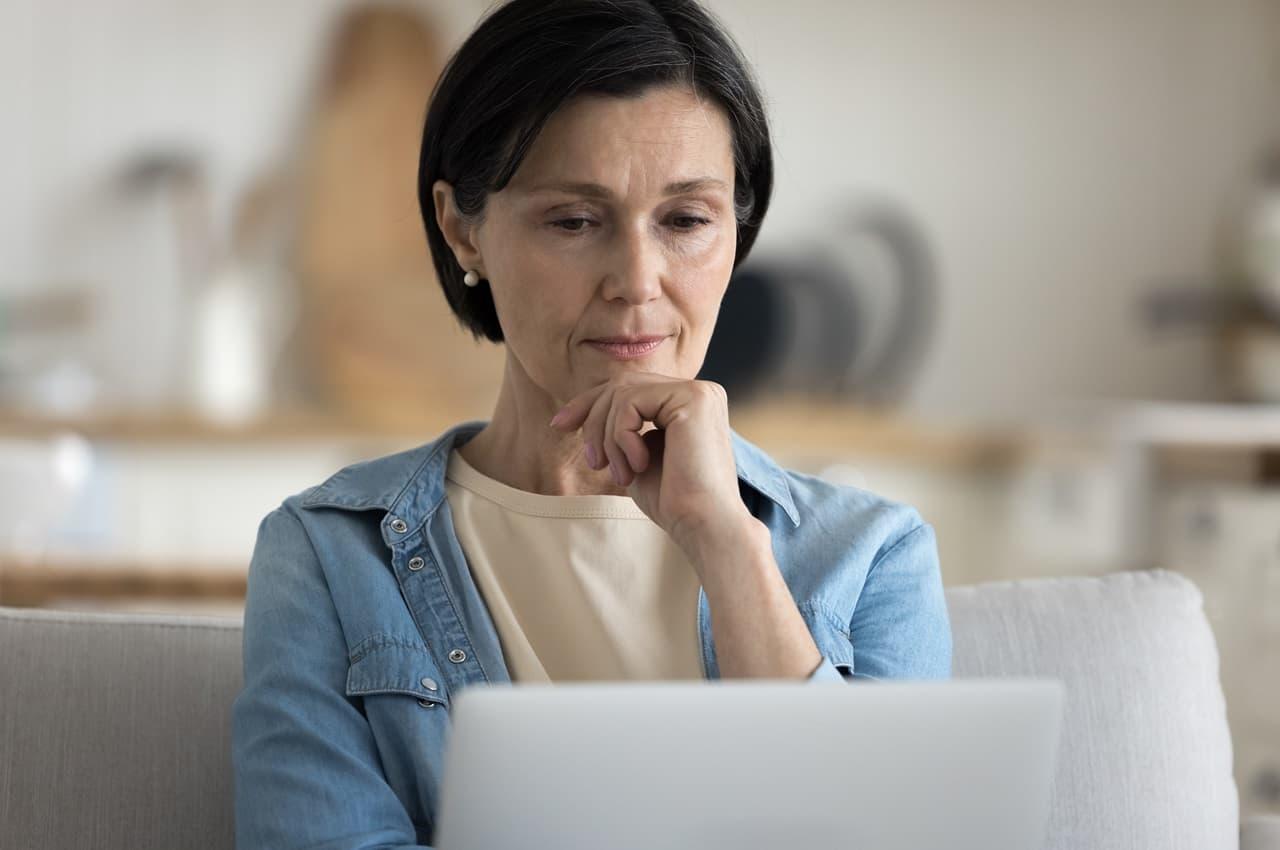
{"points": [[115, 727]]}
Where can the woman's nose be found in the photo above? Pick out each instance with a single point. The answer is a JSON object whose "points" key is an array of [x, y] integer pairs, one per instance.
{"points": [[636, 272]]}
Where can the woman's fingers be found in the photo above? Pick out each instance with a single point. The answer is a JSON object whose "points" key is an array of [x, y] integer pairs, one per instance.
{"points": [[593, 427], [625, 421], [614, 424], [611, 416], [621, 466], [574, 413]]}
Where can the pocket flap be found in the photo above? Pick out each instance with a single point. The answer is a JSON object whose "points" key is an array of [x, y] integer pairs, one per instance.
{"points": [[385, 664]]}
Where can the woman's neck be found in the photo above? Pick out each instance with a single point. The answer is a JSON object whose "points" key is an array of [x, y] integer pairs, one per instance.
{"points": [[519, 448]]}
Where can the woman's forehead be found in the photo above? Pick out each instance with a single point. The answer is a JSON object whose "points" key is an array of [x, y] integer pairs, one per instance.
{"points": [[666, 141]]}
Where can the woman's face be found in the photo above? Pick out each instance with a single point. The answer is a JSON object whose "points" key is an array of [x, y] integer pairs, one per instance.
{"points": [[619, 222]]}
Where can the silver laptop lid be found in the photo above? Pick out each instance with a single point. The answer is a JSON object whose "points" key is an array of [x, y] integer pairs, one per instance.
{"points": [[749, 764]]}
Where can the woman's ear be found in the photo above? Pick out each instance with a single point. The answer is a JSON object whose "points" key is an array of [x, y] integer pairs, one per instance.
{"points": [[457, 232]]}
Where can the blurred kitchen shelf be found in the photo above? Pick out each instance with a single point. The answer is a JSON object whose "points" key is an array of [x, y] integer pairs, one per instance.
{"points": [[180, 427], [1186, 440], [233, 609], [819, 427], [36, 585], [841, 431], [1178, 424], [823, 428]]}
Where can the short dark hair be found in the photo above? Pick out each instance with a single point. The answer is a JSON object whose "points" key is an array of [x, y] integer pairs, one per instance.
{"points": [[528, 57]]}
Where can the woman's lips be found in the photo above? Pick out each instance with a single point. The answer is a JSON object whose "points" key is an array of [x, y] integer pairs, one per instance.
{"points": [[627, 350]]}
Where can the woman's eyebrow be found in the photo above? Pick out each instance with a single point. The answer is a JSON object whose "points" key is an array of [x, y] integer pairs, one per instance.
{"points": [[595, 190]]}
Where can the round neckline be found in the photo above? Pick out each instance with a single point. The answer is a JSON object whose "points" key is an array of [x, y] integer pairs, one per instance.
{"points": [[602, 506]]}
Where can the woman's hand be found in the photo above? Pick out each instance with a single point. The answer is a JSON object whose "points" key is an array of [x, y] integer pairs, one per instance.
{"points": [[683, 476], [682, 472]]}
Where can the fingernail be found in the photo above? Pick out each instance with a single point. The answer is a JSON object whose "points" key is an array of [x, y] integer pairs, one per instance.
{"points": [[557, 419], [591, 455]]}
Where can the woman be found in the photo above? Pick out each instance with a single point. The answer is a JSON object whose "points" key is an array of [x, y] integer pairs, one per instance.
{"points": [[592, 171]]}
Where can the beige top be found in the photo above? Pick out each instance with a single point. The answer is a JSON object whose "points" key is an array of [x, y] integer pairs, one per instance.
{"points": [[579, 587]]}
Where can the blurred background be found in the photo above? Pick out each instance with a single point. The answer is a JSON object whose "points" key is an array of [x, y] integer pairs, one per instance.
{"points": [[1022, 270]]}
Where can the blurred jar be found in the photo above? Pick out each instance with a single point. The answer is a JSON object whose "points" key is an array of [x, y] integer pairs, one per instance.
{"points": [[46, 368]]}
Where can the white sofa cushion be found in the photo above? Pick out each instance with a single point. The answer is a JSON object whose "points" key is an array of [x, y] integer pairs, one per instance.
{"points": [[1145, 759], [115, 727]]}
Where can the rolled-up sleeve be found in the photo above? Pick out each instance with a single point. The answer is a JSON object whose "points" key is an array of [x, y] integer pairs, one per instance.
{"points": [[900, 627], [826, 672], [306, 771]]}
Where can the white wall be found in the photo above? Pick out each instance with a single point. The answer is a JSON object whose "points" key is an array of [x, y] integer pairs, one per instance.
{"points": [[1061, 154], [92, 84], [95, 80]]}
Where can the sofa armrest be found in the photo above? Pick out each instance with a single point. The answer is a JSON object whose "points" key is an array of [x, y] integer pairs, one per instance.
{"points": [[1261, 832]]}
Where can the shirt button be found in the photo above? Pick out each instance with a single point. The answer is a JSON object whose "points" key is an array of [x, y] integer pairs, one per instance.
{"points": [[429, 684], [416, 563], [399, 526], [426, 703], [457, 656]]}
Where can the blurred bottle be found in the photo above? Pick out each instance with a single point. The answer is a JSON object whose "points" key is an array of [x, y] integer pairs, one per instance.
{"points": [[1251, 339], [1262, 233], [235, 344], [244, 315], [375, 332]]}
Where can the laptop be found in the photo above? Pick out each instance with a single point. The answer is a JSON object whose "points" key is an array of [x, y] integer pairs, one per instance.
{"points": [[750, 764]]}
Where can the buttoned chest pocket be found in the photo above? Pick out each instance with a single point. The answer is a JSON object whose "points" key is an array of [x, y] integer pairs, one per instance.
{"points": [[406, 704], [386, 664]]}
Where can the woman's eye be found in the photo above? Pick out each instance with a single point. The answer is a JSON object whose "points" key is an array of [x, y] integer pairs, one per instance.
{"points": [[690, 222], [686, 223], [569, 225]]}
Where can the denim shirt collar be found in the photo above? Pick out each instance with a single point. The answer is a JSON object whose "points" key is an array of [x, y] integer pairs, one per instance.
{"points": [[409, 485]]}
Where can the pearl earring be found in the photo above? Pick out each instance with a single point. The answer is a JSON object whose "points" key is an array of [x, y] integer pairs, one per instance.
{"points": [[471, 278]]}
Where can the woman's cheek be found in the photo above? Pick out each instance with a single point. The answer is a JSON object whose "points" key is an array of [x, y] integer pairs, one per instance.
{"points": [[711, 245], [710, 259]]}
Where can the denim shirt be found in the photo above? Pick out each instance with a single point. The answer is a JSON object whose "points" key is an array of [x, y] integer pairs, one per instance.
{"points": [[362, 622]]}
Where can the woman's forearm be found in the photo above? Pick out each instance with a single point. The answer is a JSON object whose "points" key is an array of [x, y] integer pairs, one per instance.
{"points": [[758, 631]]}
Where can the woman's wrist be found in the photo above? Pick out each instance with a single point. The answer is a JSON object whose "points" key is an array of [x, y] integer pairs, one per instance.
{"points": [[758, 630], [729, 539]]}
